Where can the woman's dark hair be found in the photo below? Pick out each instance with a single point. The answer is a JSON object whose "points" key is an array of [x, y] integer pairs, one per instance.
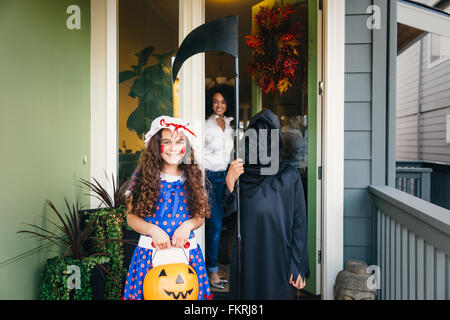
{"points": [[226, 92]]}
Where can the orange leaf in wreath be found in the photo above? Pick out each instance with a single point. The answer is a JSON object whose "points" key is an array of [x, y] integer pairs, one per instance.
{"points": [[283, 85], [286, 40], [270, 87], [251, 41]]}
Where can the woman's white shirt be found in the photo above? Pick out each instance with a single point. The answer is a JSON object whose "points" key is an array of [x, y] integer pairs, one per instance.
{"points": [[218, 144]]}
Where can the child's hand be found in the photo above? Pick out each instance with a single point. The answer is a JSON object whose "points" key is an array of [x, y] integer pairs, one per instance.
{"points": [[181, 234], [160, 238], [235, 170], [299, 284]]}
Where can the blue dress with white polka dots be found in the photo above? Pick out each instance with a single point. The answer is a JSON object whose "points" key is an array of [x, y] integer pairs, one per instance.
{"points": [[171, 211]]}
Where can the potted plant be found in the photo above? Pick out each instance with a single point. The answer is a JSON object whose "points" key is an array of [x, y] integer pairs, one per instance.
{"points": [[109, 228], [67, 277]]}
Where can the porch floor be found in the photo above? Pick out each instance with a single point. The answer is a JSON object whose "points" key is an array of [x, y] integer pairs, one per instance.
{"points": [[224, 272]]}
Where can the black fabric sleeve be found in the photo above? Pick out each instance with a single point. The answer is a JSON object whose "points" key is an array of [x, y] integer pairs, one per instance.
{"points": [[229, 201], [299, 263]]}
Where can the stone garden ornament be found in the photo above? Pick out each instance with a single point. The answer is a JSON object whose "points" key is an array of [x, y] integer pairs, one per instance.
{"points": [[354, 283]]}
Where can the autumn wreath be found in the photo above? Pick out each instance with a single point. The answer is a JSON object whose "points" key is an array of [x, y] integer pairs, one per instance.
{"points": [[274, 43]]}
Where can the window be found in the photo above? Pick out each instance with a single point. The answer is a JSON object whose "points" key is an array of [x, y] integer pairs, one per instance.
{"points": [[438, 46], [438, 49], [448, 129]]}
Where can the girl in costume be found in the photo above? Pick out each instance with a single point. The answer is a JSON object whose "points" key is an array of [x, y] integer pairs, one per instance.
{"points": [[166, 201]]}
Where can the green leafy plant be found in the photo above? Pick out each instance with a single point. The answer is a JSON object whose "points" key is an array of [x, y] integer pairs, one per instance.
{"points": [[73, 239], [55, 278], [152, 86], [109, 223], [117, 201]]}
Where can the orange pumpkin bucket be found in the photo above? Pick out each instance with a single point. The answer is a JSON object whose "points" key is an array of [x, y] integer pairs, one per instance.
{"points": [[176, 281]]}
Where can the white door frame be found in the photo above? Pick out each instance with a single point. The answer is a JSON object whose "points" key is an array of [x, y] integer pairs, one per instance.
{"points": [[333, 145], [104, 86], [192, 81], [319, 160], [104, 111], [104, 90]]}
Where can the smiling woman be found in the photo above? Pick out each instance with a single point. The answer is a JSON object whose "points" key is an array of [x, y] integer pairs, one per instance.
{"points": [[218, 148]]}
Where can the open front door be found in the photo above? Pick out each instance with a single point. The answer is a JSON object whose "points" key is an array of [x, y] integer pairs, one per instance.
{"points": [[300, 113]]}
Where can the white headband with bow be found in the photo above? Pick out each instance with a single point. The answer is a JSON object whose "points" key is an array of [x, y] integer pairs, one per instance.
{"points": [[176, 125]]}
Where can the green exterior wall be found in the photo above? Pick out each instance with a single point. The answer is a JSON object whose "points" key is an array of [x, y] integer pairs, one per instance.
{"points": [[45, 128]]}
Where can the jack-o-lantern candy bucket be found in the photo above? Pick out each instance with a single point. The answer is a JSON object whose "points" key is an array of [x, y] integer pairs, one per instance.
{"points": [[176, 281]]}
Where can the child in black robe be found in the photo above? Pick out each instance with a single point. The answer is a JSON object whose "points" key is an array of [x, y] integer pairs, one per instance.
{"points": [[274, 254]]}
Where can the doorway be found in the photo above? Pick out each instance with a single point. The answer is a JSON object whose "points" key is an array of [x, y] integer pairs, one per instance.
{"points": [[299, 111]]}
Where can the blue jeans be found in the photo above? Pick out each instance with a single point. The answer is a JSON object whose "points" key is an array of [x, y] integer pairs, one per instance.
{"points": [[214, 223]]}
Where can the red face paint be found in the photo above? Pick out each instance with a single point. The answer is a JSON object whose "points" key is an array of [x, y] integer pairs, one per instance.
{"points": [[183, 150], [163, 148]]}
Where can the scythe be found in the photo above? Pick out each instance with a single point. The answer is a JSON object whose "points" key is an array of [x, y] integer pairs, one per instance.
{"points": [[218, 35]]}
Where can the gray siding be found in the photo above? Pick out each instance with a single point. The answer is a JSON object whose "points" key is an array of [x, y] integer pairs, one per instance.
{"points": [[358, 132], [423, 101]]}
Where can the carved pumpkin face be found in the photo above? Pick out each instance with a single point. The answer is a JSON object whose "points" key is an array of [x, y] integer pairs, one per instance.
{"points": [[177, 281]]}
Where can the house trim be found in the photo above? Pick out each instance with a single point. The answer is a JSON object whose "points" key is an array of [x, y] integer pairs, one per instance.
{"points": [[391, 93], [380, 86], [379, 96], [192, 81], [447, 129], [104, 102], [333, 145], [423, 18]]}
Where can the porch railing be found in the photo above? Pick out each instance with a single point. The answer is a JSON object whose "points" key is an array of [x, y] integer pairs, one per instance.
{"points": [[439, 184], [415, 181], [413, 246]]}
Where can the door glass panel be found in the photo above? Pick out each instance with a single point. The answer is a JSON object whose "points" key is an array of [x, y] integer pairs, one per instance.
{"points": [[292, 107], [148, 39]]}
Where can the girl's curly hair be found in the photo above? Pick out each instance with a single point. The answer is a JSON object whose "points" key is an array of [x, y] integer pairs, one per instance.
{"points": [[145, 192]]}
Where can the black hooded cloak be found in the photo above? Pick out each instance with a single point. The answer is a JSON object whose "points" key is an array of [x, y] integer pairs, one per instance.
{"points": [[273, 222]]}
